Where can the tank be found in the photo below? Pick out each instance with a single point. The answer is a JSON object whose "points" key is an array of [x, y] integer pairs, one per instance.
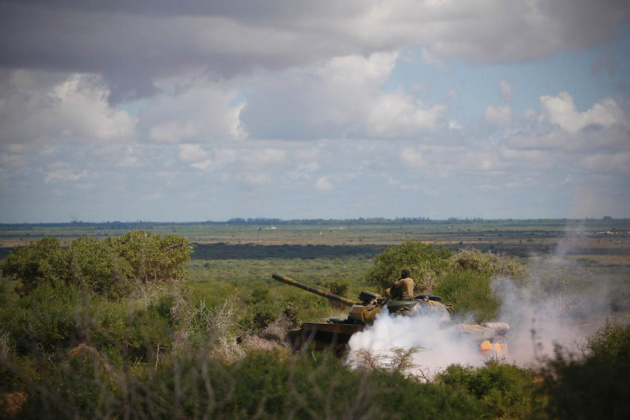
{"points": [[492, 337]]}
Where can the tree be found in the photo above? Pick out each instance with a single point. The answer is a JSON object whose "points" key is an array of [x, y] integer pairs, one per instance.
{"points": [[39, 262], [426, 263], [153, 258], [95, 266]]}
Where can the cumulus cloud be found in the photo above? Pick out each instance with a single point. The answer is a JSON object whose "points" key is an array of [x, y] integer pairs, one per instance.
{"points": [[40, 107], [561, 126], [340, 98], [561, 110], [235, 90], [134, 43], [193, 110]]}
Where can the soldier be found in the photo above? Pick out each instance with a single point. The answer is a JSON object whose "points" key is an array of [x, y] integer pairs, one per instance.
{"points": [[402, 288]]}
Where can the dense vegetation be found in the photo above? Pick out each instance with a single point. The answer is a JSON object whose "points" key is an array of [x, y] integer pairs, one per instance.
{"points": [[108, 328], [461, 278], [110, 268]]}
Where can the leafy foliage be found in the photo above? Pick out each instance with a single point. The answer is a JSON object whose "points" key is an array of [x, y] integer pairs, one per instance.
{"points": [[70, 351], [595, 386], [470, 294], [426, 262], [486, 264], [462, 278], [153, 258], [338, 287], [507, 390], [110, 268], [95, 266], [41, 262]]}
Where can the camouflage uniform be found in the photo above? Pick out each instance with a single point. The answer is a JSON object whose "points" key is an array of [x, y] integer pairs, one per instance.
{"points": [[402, 288]]}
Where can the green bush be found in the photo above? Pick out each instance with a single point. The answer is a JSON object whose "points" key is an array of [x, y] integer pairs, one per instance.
{"points": [[488, 264], [43, 321], [338, 287], [95, 266], [426, 263], [38, 263], [153, 258], [258, 317], [110, 268], [595, 386], [508, 391], [274, 385], [462, 279], [469, 293]]}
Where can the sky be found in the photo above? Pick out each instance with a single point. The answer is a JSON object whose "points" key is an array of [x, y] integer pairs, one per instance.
{"points": [[202, 110]]}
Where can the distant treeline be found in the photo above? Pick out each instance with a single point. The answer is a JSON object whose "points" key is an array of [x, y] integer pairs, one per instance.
{"points": [[260, 221]]}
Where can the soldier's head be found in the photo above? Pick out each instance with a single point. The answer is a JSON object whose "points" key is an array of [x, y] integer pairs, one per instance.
{"points": [[405, 273]]}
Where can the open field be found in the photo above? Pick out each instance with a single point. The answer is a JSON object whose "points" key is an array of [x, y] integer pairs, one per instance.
{"points": [[605, 241]]}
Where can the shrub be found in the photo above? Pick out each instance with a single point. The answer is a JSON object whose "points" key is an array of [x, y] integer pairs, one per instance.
{"points": [[337, 287], [40, 262], [95, 266], [426, 263], [469, 293], [43, 321], [110, 268], [153, 258], [491, 265], [462, 279], [507, 390], [595, 386]]}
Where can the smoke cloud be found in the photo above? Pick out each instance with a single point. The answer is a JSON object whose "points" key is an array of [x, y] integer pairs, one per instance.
{"points": [[540, 312]]}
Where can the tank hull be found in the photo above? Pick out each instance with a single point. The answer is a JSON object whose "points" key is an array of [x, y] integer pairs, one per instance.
{"points": [[323, 335], [492, 338]]}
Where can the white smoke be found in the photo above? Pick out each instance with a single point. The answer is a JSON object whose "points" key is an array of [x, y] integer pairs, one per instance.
{"points": [[540, 312], [438, 345]]}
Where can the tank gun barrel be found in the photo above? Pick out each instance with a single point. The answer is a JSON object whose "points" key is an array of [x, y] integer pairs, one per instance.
{"points": [[314, 290]]}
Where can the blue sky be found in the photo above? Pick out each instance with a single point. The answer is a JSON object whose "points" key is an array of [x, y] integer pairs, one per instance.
{"points": [[207, 111]]}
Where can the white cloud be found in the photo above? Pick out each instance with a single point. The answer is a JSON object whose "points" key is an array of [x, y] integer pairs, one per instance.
{"points": [[129, 160], [174, 131], [191, 153], [265, 157], [255, 180], [63, 175], [561, 126], [51, 108], [454, 125], [323, 184], [500, 116], [413, 158], [396, 114], [193, 109], [561, 110], [607, 163], [452, 94], [340, 98]]}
